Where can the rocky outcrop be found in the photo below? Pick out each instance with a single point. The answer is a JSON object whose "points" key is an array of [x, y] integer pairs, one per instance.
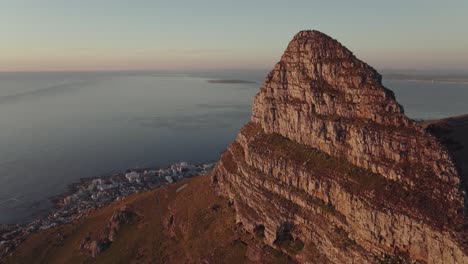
{"points": [[94, 247], [330, 168]]}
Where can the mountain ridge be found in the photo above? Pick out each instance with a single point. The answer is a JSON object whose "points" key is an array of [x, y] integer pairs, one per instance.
{"points": [[321, 99]]}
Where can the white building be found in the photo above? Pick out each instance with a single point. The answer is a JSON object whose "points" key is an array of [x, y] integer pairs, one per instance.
{"points": [[150, 173], [105, 187], [208, 166], [132, 176], [169, 179]]}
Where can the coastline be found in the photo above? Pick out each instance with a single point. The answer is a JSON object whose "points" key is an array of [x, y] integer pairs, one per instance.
{"points": [[427, 80], [92, 193]]}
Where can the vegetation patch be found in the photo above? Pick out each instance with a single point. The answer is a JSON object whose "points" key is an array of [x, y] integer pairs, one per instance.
{"points": [[383, 193], [259, 231], [399, 258], [328, 207]]}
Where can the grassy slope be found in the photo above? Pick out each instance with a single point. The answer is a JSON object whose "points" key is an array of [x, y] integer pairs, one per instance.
{"points": [[198, 233]]}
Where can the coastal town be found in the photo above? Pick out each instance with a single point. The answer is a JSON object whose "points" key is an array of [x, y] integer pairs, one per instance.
{"points": [[93, 193]]}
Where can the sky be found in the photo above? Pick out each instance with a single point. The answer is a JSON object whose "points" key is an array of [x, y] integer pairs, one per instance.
{"points": [[70, 35]]}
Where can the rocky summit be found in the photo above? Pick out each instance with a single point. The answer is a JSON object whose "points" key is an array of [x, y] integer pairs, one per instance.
{"points": [[328, 170], [330, 167]]}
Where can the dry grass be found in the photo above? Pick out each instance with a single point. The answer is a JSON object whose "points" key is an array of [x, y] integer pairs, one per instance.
{"points": [[198, 232], [383, 193]]}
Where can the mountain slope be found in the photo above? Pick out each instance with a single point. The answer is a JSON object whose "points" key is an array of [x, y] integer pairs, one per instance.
{"points": [[182, 223], [329, 160]]}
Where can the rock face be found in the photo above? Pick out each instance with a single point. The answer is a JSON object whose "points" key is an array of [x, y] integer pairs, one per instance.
{"points": [[106, 237], [330, 168]]}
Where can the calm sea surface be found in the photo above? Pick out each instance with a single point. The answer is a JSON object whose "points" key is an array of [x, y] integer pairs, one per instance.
{"points": [[58, 127]]}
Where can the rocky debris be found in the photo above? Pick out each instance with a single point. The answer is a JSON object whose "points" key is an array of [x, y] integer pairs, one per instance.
{"points": [[330, 167], [170, 227], [94, 193], [97, 246], [94, 247], [122, 216]]}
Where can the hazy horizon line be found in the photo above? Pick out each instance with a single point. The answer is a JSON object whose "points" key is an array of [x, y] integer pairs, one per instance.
{"points": [[381, 70]]}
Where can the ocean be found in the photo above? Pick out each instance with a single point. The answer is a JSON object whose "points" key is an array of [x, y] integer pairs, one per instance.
{"points": [[56, 128]]}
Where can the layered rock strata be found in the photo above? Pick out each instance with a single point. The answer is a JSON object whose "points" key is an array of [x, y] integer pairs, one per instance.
{"points": [[330, 167]]}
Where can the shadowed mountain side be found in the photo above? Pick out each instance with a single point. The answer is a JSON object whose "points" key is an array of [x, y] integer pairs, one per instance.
{"points": [[453, 132]]}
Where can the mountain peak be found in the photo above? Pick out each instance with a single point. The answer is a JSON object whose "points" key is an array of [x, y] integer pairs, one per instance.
{"points": [[321, 95], [318, 46], [311, 34], [329, 148], [314, 47]]}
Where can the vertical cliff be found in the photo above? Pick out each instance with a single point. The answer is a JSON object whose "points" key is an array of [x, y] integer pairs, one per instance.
{"points": [[330, 168]]}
